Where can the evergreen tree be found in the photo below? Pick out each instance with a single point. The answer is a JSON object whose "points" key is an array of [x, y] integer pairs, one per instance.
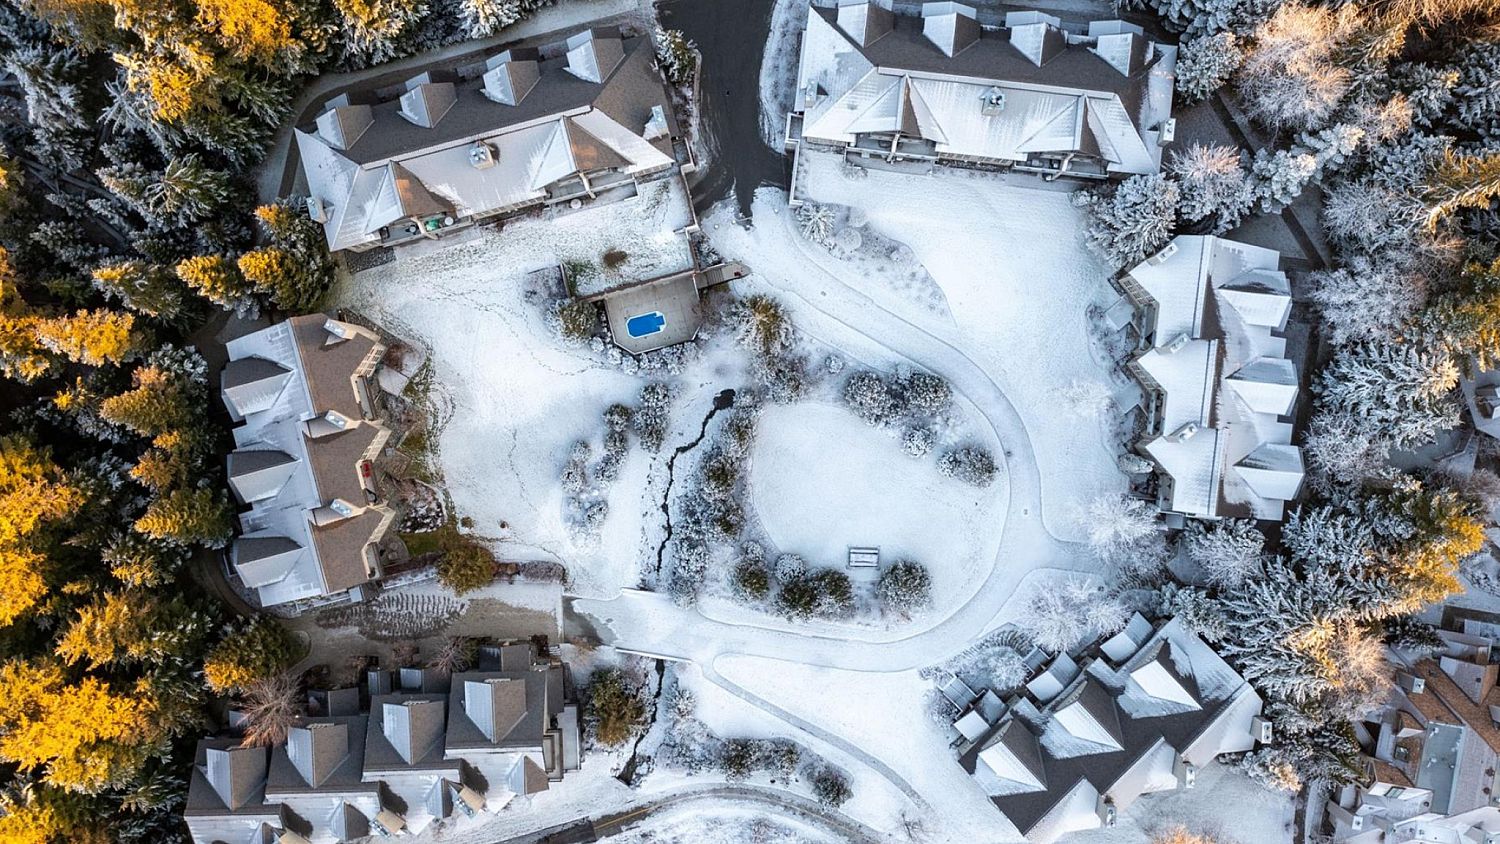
{"points": [[218, 280], [188, 191], [83, 736], [905, 587], [256, 649], [142, 287], [372, 30], [188, 516], [612, 710], [1215, 190], [94, 338], [1205, 63], [140, 561], [1130, 221], [484, 18], [1401, 391], [675, 54], [1229, 552]]}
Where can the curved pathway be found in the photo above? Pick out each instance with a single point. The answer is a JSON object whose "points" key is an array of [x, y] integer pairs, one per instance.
{"points": [[775, 801]]}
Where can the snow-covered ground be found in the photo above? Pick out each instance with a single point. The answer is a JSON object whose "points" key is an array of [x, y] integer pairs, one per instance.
{"points": [[514, 399], [722, 824], [885, 714], [822, 480], [631, 240]]}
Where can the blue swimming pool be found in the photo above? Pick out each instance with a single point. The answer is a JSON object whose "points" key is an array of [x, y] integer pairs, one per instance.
{"points": [[644, 325]]}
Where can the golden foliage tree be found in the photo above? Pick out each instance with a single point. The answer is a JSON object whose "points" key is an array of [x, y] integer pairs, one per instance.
{"points": [[188, 516], [93, 337], [82, 736], [33, 494]]}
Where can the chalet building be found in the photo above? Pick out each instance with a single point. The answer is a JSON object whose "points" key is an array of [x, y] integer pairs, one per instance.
{"points": [[416, 758], [305, 439], [938, 87], [1092, 731], [1218, 390], [1431, 751], [584, 119]]}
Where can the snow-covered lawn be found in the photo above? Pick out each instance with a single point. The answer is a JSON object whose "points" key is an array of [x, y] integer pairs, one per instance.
{"points": [[822, 480], [723, 823], [631, 240], [513, 398], [1011, 261], [1225, 803]]}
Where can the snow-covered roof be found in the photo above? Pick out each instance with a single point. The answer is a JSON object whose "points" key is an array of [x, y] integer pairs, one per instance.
{"points": [[297, 456], [1117, 732], [1213, 311], [996, 97], [474, 147]]}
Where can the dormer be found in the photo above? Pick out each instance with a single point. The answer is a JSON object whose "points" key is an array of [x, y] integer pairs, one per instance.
{"points": [[425, 101], [951, 27], [331, 422], [1123, 46], [413, 727], [317, 750], [510, 76], [495, 705], [594, 54], [343, 123], [1038, 36], [865, 21], [656, 125], [235, 773]]}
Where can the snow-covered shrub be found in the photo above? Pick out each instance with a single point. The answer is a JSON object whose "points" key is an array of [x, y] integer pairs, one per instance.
{"points": [[790, 567], [574, 320], [905, 587], [816, 222], [653, 415], [971, 464], [675, 54], [1129, 221], [1214, 187], [1366, 300], [1116, 521], [1059, 617], [922, 392], [847, 242], [689, 571], [751, 580], [870, 398], [575, 476], [825, 593], [1086, 399], [761, 324], [918, 440], [1291, 78], [1205, 63], [1402, 391], [834, 364], [830, 785], [1228, 552], [617, 417]]}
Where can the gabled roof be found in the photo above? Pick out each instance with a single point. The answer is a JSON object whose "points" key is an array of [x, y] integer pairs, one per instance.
{"points": [[251, 384], [1011, 756], [594, 54], [495, 705], [263, 560], [510, 76], [348, 822], [257, 474], [1266, 385], [237, 774], [317, 750], [413, 726], [1158, 679], [1273, 471], [1091, 716]]}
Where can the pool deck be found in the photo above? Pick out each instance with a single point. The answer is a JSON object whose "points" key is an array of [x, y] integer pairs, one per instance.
{"points": [[675, 296]]}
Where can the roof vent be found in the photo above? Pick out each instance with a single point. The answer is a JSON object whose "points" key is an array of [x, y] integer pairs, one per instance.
{"points": [[336, 419], [1167, 251], [316, 210], [1177, 344], [482, 156], [992, 101], [340, 506], [656, 126], [1186, 432]]}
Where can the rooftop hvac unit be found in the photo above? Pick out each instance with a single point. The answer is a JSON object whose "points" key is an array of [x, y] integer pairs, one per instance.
{"points": [[1167, 251], [1107, 813], [992, 102], [1177, 343], [1168, 131], [482, 156], [317, 210]]}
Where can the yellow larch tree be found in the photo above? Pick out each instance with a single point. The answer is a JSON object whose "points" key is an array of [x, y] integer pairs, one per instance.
{"points": [[93, 337]]}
